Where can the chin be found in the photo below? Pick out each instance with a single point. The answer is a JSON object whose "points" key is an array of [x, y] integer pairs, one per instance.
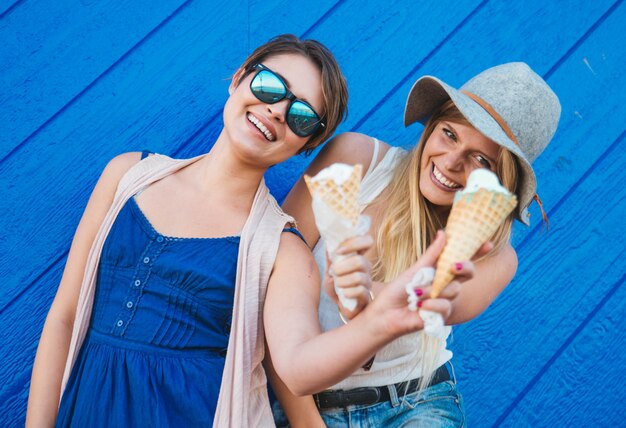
{"points": [[437, 197]]}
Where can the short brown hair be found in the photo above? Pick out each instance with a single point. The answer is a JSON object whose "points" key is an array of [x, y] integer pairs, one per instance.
{"points": [[334, 88]]}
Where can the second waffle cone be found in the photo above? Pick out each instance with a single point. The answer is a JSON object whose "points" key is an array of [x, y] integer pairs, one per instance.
{"points": [[473, 220], [343, 198]]}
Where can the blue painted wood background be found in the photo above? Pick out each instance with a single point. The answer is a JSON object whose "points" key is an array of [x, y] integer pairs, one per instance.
{"points": [[82, 81]]}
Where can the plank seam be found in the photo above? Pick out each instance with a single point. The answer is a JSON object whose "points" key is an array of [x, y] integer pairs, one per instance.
{"points": [[419, 65], [97, 79], [580, 41], [322, 18], [10, 9], [560, 351], [613, 146], [561, 201]]}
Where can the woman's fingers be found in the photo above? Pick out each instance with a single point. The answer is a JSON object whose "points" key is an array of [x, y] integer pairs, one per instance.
{"points": [[449, 293], [483, 250], [442, 306], [351, 275], [463, 270], [329, 288], [352, 280], [358, 244], [351, 264], [359, 292]]}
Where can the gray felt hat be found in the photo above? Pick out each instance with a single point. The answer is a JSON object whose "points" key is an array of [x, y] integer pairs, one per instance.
{"points": [[509, 104]]}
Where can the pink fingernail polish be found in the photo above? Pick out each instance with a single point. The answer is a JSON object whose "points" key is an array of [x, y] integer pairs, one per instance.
{"points": [[419, 292], [458, 266], [419, 304]]}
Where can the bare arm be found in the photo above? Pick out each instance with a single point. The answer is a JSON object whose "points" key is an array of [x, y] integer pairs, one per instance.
{"points": [[308, 361], [491, 275], [348, 148], [301, 412], [54, 344]]}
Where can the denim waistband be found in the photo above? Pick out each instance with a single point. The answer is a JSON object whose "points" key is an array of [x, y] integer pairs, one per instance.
{"points": [[374, 394]]}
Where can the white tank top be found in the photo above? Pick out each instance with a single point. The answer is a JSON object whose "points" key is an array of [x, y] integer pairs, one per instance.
{"points": [[399, 360]]}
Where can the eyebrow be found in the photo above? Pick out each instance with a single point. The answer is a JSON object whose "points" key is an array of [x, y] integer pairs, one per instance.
{"points": [[457, 134]]}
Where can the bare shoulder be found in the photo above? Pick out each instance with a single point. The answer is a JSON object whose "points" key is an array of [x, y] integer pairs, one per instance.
{"points": [[507, 255], [120, 164], [105, 189], [294, 259], [350, 148], [503, 263], [293, 251]]}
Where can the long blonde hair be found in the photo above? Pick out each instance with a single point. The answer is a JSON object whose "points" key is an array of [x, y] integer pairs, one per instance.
{"points": [[409, 222]]}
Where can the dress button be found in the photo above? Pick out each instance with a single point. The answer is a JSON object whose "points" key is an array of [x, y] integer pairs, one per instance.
{"points": [[160, 239], [137, 283], [146, 259], [129, 305], [120, 323]]}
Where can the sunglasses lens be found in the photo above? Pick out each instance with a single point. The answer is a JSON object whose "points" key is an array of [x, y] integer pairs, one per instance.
{"points": [[302, 120], [267, 87]]}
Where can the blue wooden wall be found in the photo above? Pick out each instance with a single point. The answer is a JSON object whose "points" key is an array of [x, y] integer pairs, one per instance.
{"points": [[84, 80]]}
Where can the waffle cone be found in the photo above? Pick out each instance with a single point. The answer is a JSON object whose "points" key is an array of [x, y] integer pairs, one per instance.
{"points": [[342, 198], [473, 220]]}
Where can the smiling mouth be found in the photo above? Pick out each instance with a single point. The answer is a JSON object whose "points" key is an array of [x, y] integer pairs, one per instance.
{"points": [[266, 132], [443, 180]]}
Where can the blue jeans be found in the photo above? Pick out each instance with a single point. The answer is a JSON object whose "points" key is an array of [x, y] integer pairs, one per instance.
{"points": [[439, 406]]}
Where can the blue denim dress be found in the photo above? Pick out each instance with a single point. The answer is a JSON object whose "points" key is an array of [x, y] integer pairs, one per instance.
{"points": [[155, 350]]}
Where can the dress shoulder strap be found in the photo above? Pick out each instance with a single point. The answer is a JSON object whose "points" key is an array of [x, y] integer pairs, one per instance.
{"points": [[376, 180], [374, 156]]}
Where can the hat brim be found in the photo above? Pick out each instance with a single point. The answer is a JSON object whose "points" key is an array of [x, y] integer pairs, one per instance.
{"points": [[429, 93]]}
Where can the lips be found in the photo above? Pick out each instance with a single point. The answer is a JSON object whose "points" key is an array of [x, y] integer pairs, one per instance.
{"points": [[262, 127], [444, 182]]}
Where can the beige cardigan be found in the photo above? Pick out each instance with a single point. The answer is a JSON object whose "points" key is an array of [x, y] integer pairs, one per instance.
{"points": [[243, 400]]}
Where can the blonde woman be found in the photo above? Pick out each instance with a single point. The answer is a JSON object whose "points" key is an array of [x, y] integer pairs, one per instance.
{"points": [[501, 119]]}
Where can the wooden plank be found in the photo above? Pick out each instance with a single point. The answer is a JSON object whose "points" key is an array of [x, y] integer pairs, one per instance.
{"points": [[582, 387], [270, 18], [557, 286], [56, 50], [7, 6], [154, 99], [19, 344], [567, 165]]}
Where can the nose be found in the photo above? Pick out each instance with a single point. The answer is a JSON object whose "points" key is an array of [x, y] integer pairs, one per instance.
{"points": [[278, 110], [454, 161]]}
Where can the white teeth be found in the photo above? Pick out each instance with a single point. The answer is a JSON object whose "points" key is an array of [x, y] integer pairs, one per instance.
{"points": [[261, 127], [443, 180]]}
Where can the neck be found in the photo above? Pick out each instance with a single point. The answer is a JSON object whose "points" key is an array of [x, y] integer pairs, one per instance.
{"points": [[222, 172]]}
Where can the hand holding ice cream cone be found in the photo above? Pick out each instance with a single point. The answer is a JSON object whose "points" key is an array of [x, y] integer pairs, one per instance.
{"points": [[335, 193], [478, 210]]}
